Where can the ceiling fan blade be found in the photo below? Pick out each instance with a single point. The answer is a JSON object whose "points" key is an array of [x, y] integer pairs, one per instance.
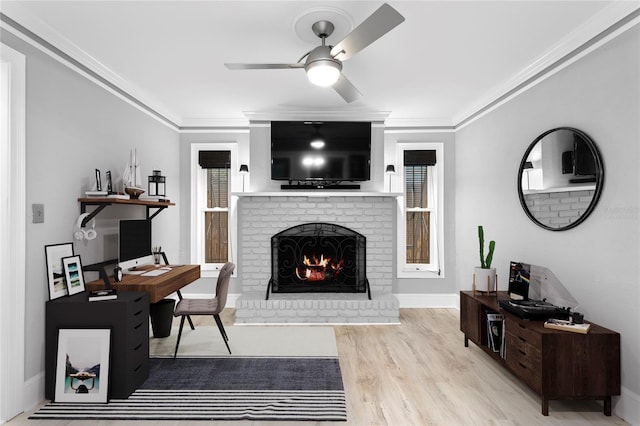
{"points": [[346, 89], [263, 66], [375, 26]]}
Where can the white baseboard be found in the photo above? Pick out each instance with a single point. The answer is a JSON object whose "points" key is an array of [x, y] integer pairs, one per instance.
{"points": [[33, 394], [627, 406], [429, 300]]}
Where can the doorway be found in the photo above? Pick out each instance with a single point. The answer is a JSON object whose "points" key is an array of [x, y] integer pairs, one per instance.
{"points": [[13, 231]]}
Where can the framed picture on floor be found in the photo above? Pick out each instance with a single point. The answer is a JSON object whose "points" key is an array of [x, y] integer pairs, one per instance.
{"points": [[82, 365], [55, 272], [73, 274]]}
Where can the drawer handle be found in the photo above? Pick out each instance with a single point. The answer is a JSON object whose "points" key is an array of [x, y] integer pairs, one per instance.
{"points": [[522, 365], [522, 339], [137, 347], [138, 313], [137, 326], [522, 352], [138, 299], [137, 368]]}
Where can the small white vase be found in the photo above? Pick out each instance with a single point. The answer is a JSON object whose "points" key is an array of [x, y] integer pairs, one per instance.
{"points": [[485, 279]]}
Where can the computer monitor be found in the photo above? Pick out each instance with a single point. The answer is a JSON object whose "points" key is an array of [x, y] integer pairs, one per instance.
{"points": [[134, 244]]}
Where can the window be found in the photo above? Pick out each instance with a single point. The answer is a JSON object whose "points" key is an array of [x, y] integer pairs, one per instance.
{"points": [[419, 227], [213, 216]]}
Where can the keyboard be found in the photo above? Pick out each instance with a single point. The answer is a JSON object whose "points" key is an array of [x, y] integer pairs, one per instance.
{"points": [[155, 272]]}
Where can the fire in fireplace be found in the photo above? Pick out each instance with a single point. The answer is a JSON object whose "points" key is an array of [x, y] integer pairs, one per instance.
{"points": [[318, 257], [322, 269]]}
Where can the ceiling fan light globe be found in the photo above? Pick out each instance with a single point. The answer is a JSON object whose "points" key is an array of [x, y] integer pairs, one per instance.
{"points": [[323, 73]]}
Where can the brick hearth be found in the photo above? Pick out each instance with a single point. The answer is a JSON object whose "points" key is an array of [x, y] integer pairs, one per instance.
{"points": [[262, 216]]}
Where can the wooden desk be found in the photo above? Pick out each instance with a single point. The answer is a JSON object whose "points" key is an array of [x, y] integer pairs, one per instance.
{"points": [[158, 287]]}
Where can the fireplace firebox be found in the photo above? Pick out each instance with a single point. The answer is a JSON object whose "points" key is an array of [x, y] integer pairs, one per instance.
{"points": [[318, 258]]}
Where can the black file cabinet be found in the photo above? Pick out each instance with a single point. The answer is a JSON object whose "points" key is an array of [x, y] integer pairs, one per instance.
{"points": [[127, 317]]}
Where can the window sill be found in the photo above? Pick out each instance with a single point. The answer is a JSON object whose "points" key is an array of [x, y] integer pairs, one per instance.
{"points": [[407, 273], [207, 271]]}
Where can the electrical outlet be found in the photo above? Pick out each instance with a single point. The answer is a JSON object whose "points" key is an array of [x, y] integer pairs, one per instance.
{"points": [[38, 213]]}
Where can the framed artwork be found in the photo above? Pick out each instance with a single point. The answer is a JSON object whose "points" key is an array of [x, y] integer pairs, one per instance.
{"points": [[82, 365], [73, 275], [55, 273]]}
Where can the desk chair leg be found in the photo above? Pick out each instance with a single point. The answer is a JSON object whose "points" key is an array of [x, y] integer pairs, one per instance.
{"points": [[179, 335], [190, 322], [222, 331], [188, 317]]}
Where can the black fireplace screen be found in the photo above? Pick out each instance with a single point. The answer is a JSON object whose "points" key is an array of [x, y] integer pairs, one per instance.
{"points": [[318, 257]]}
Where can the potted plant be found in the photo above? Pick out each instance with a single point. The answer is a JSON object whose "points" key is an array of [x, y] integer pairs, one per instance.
{"points": [[485, 275]]}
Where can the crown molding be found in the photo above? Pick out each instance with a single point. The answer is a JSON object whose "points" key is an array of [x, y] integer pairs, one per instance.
{"points": [[432, 123], [205, 124], [613, 20], [301, 115], [37, 33]]}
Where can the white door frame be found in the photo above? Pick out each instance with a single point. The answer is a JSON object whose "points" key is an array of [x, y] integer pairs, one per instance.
{"points": [[13, 232]]}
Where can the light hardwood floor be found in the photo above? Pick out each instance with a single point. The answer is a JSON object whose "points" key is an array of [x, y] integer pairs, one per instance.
{"points": [[418, 373]]}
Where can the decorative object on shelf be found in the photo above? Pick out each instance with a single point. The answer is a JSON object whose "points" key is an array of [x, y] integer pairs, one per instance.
{"points": [[131, 176], [98, 181], [109, 182], [390, 170], [519, 278], [244, 170], [485, 279], [134, 193], [85, 234], [82, 367], [73, 274], [565, 325], [55, 272], [96, 194], [157, 184], [117, 274]]}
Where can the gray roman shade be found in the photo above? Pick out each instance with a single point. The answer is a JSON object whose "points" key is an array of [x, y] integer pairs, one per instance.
{"points": [[214, 159], [420, 158]]}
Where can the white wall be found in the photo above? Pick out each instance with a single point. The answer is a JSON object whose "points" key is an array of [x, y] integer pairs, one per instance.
{"points": [[239, 136], [73, 127], [598, 260], [446, 284]]}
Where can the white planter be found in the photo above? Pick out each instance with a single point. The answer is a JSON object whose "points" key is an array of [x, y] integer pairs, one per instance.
{"points": [[484, 279]]}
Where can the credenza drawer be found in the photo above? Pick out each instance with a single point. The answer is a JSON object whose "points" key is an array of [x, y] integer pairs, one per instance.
{"points": [[524, 361], [523, 332]]}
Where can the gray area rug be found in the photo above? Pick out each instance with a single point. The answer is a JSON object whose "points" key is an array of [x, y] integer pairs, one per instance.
{"points": [[278, 389]]}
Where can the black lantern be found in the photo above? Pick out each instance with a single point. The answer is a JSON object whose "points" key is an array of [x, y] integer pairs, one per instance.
{"points": [[157, 184]]}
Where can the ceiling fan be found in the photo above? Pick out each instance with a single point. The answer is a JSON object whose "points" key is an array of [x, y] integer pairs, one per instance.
{"points": [[323, 64]]}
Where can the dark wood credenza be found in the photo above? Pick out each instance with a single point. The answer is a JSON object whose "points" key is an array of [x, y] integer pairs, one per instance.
{"points": [[555, 364]]}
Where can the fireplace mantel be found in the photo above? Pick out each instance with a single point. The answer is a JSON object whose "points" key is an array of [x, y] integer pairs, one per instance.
{"points": [[317, 193]]}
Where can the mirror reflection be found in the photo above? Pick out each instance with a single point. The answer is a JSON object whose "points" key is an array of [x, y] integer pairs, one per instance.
{"points": [[560, 178]]}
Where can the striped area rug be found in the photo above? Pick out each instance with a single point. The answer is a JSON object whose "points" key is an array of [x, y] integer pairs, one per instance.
{"points": [[208, 405], [283, 389]]}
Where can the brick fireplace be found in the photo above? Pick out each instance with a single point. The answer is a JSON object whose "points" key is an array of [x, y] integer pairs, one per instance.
{"points": [[264, 215]]}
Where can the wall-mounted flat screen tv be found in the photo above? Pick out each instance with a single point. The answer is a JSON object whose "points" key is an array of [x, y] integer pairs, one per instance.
{"points": [[320, 151]]}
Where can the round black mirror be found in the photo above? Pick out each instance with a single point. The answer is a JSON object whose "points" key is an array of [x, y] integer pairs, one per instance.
{"points": [[560, 178]]}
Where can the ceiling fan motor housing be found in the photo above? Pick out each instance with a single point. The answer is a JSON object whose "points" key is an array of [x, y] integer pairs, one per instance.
{"points": [[321, 68]]}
